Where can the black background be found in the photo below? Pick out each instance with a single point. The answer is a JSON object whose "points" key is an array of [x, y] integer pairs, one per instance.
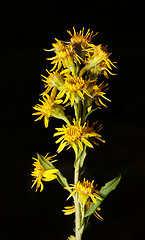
{"points": [[26, 28]]}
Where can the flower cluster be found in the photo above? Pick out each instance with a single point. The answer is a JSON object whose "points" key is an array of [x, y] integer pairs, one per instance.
{"points": [[74, 82], [77, 64]]}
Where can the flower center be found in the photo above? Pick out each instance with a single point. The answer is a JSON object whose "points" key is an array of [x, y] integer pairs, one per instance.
{"points": [[74, 83], [85, 187], [72, 133]]}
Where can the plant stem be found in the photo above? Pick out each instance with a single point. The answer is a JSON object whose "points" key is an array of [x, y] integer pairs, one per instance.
{"points": [[77, 208]]}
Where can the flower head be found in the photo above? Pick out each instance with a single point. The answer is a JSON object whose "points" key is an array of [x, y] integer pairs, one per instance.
{"points": [[71, 209], [85, 190], [40, 174], [80, 38], [76, 136], [53, 80], [98, 60], [98, 92], [50, 107], [65, 56], [81, 41], [74, 88]]}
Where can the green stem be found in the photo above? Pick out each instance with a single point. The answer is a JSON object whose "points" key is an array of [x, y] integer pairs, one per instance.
{"points": [[78, 233], [77, 108]]}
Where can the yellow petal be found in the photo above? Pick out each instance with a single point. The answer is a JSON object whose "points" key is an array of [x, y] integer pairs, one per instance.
{"points": [[50, 177], [74, 147], [80, 144], [50, 171], [80, 94], [60, 139], [61, 146], [72, 99], [61, 93], [53, 92], [72, 193], [46, 121], [57, 134], [67, 97], [93, 199], [41, 187], [98, 216], [86, 142]]}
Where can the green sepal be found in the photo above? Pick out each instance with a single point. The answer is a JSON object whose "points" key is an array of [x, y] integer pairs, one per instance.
{"points": [[105, 190], [47, 165], [58, 112]]}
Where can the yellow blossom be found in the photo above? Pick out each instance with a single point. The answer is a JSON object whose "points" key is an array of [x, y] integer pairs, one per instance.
{"points": [[80, 38], [76, 136], [50, 107], [98, 60], [53, 80], [74, 88], [65, 56], [40, 174], [71, 209], [85, 190], [98, 92]]}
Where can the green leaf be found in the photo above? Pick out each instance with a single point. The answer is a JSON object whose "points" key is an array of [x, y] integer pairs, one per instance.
{"points": [[105, 190], [93, 208], [79, 162], [83, 156], [47, 165], [91, 112], [110, 186]]}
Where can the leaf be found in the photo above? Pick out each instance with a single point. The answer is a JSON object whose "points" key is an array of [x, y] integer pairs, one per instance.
{"points": [[91, 112], [105, 190], [47, 165], [93, 208], [83, 156], [110, 186], [79, 161]]}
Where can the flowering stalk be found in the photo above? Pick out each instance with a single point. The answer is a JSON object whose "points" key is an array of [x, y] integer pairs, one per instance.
{"points": [[74, 82]]}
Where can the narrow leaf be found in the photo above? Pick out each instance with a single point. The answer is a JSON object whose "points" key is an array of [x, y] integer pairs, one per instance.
{"points": [[110, 186], [83, 156], [105, 190], [91, 112]]}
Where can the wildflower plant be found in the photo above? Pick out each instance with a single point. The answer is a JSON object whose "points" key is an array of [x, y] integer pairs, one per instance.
{"points": [[74, 82]]}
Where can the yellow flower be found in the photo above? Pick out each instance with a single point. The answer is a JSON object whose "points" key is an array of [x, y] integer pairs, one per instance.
{"points": [[50, 107], [40, 174], [71, 209], [53, 80], [80, 38], [98, 92], [65, 56], [74, 88], [98, 60], [76, 135], [85, 190]]}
